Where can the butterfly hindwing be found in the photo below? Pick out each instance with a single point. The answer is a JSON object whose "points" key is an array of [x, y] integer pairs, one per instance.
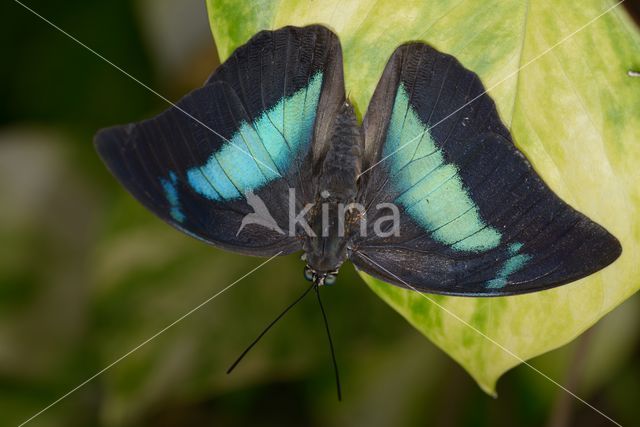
{"points": [[237, 145], [475, 218]]}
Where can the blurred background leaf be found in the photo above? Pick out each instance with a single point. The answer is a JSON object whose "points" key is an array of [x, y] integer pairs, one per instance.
{"points": [[574, 114], [86, 273]]}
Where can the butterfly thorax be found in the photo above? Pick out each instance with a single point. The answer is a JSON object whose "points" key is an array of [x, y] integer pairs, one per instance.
{"points": [[330, 219]]}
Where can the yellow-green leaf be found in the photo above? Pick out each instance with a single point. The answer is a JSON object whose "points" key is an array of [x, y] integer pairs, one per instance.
{"points": [[558, 73]]}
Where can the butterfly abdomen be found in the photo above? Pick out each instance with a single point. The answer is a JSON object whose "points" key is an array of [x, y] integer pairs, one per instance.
{"points": [[343, 161], [336, 190]]}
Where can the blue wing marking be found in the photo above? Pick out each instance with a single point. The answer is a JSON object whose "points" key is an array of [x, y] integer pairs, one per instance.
{"points": [[431, 190], [510, 266], [171, 193], [433, 194], [273, 141]]}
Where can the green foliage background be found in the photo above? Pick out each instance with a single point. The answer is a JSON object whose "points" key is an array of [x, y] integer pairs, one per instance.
{"points": [[86, 273]]}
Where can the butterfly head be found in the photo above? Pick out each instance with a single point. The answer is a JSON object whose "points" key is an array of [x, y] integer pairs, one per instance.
{"points": [[320, 278]]}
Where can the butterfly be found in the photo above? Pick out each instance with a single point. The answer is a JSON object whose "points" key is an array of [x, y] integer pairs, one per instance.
{"points": [[429, 193]]}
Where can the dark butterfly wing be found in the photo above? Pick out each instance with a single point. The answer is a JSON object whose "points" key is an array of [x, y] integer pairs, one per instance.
{"points": [[475, 218], [238, 145]]}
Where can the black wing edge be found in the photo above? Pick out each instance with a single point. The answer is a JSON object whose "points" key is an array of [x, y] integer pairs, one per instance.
{"points": [[609, 251]]}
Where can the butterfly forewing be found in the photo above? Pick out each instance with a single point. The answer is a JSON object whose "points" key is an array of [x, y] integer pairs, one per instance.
{"points": [[251, 130], [475, 217]]}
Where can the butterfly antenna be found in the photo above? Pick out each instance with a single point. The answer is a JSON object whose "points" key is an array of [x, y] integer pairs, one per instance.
{"points": [[244, 353], [333, 353]]}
